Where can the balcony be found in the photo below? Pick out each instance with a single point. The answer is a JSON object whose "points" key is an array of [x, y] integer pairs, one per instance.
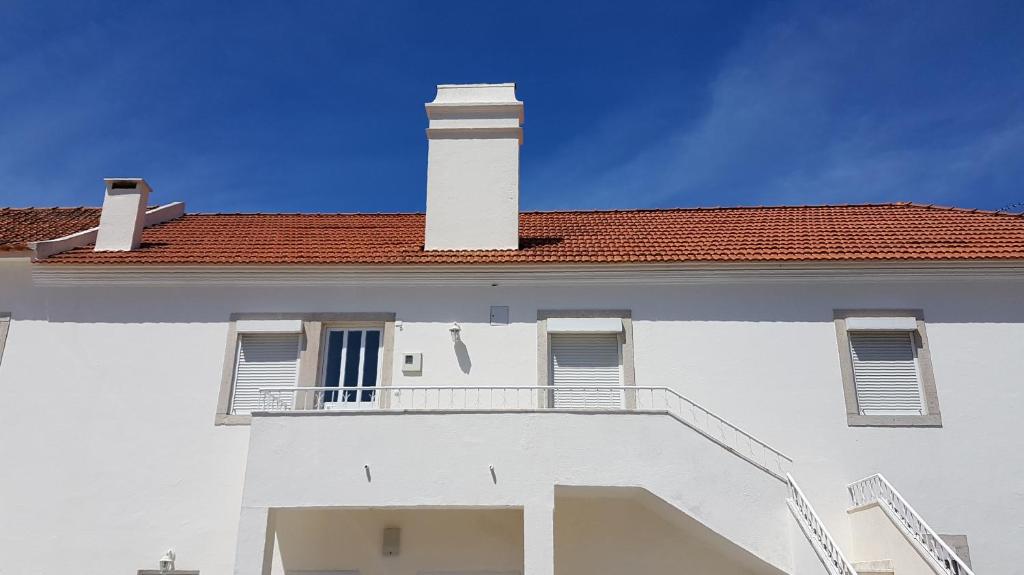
{"points": [[527, 399], [535, 461]]}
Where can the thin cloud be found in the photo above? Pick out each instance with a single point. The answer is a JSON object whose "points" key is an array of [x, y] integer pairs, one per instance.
{"points": [[798, 115]]}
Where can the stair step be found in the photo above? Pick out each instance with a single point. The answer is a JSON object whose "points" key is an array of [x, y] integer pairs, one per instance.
{"points": [[883, 567]]}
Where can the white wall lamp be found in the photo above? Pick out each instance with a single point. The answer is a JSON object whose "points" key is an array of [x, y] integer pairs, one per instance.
{"points": [[456, 331], [167, 562]]}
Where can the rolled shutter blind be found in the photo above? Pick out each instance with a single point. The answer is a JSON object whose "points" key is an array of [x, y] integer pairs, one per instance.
{"points": [[885, 373], [265, 360], [586, 360]]}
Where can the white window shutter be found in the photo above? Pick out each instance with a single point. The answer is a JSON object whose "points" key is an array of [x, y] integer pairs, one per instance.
{"points": [[885, 372], [264, 360], [586, 360]]}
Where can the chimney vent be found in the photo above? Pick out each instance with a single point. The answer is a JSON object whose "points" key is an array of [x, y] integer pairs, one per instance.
{"points": [[473, 167], [123, 216]]}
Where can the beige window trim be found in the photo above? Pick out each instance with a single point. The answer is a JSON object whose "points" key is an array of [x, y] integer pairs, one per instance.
{"points": [[854, 418], [5, 324], [544, 375], [313, 333]]}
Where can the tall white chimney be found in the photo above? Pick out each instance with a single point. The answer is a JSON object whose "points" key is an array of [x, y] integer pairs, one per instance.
{"points": [[123, 216], [473, 167]]}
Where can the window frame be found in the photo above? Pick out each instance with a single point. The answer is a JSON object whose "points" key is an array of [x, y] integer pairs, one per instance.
{"points": [[545, 377], [5, 325], [932, 416], [311, 348]]}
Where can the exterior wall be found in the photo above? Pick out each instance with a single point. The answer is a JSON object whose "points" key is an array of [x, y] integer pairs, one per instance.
{"points": [[434, 540], [111, 394], [877, 538], [591, 535], [109, 454], [512, 460]]}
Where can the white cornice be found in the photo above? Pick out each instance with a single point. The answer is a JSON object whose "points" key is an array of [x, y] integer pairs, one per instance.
{"points": [[526, 275]]}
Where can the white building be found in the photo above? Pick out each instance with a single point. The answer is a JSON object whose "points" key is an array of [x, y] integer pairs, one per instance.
{"points": [[480, 391]]}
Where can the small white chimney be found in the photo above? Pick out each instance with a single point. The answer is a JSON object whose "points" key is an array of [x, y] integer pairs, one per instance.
{"points": [[123, 215], [473, 167]]}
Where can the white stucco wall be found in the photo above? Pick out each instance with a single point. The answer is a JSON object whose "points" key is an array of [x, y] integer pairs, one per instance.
{"points": [[110, 395], [877, 538], [446, 460], [611, 536], [431, 540]]}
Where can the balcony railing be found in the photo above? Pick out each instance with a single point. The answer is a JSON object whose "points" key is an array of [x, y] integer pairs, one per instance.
{"points": [[598, 398]]}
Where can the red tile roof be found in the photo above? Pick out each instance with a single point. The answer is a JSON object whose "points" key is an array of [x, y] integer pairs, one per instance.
{"points": [[798, 233], [19, 226]]}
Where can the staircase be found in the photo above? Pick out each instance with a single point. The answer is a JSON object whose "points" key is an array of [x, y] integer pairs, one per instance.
{"points": [[824, 545], [877, 490], [918, 546]]}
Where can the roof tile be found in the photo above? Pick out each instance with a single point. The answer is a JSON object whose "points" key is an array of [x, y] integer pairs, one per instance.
{"points": [[19, 226], [748, 234]]}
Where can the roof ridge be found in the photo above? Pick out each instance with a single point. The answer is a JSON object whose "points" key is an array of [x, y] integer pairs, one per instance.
{"points": [[722, 208], [48, 208], [304, 213], [636, 210], [969, 210], [594, 211]]}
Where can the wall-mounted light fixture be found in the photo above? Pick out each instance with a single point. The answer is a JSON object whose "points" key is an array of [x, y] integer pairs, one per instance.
{"points": [[167, 562], [456, 331]]}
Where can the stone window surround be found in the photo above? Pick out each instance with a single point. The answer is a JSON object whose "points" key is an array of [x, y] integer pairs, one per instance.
{"points": [[5, 324], [314, 328], [854, 418], [544, 376]]}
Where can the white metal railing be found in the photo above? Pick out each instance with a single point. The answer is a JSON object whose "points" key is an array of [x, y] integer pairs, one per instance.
{"points": [[876, 489], [531, 398], [815, 530]]}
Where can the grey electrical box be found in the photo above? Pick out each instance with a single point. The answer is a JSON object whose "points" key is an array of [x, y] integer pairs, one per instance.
{"points": [[392, 541], [499, 315]]}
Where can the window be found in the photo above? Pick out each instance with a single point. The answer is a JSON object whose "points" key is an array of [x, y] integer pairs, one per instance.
{"points": [[306, 350], [589, 350], [264, 360], [351, 359], [885, 373], [587, 361], [886, 368]]}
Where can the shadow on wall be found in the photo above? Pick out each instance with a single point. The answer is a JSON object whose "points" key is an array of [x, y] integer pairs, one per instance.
{"points": [[942, 302], [462, 354]]}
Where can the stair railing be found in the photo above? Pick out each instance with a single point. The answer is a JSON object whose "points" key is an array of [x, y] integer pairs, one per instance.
{"points": [[816, 532], [876, 489]]}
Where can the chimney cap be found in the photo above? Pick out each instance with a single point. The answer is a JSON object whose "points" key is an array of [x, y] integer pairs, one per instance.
{"points": [[125, 183], [476, 94]]}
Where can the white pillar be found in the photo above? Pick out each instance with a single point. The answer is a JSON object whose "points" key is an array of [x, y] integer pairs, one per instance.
{"points": [[539, 535], [254, 550]]}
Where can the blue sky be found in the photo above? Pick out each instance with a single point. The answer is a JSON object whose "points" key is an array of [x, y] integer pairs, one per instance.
{"points": [[318, 106]]}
